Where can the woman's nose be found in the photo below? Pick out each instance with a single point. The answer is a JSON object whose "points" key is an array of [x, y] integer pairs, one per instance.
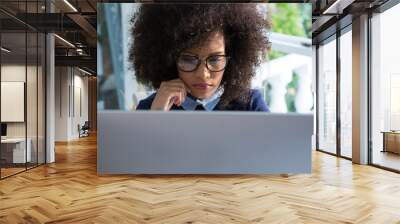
{"points": [[203, 72]]}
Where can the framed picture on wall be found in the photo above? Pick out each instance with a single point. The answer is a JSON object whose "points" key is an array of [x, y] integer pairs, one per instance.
{"points": [[12, 101]]}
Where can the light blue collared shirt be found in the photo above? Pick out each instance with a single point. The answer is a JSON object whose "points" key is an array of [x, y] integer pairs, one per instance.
{"points": [[209, 103]]}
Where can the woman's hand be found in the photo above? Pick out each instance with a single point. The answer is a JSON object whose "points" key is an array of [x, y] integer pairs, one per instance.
{"points": [[170, 93]]}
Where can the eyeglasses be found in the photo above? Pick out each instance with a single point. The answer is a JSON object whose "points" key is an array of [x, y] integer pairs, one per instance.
{"points": [[214, 63]]}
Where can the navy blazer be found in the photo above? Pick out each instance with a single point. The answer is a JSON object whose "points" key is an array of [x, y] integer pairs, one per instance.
{"points": [[256, 103]]}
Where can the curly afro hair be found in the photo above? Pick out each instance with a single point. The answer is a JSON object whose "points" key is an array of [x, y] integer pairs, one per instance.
{"points": [[162, 31]]}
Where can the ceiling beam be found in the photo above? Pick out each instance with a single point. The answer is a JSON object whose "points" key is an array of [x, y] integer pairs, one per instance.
{"points": [[81, 61]]}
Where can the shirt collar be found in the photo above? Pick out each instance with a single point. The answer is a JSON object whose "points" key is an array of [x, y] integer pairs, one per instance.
{"points": [[209, 103]]}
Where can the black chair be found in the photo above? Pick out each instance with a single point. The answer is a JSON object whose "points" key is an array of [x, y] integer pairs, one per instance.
{"points": [[84, 130]]}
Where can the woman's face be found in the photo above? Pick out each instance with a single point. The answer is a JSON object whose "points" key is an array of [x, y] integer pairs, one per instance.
{"points": [[202, 82]]}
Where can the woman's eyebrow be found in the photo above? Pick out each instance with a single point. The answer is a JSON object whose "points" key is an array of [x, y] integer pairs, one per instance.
{"points": [[212, 53], [217, 52]]}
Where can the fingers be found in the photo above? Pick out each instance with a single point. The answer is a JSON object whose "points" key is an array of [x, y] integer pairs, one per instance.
{"points": [[174, 88], [170, 93], [172, 101], [176, 94]]}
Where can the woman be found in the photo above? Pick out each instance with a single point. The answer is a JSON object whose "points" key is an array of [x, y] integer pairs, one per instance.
{"points": [[199, 56]]}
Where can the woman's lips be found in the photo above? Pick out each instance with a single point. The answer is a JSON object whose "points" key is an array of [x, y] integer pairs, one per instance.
{"points": [[201, 86]]}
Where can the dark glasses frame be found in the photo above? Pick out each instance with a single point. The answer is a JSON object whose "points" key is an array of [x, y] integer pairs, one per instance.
{"points": [[199, 61]]}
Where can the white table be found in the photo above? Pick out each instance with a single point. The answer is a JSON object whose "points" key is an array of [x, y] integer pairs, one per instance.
{"points": [[19, 149]]}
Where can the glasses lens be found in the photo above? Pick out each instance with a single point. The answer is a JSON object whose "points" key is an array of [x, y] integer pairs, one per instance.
{"points": [[187, 63], [216, 62]]}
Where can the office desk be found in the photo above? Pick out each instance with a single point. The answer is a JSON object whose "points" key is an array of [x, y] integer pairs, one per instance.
{"points": [[13, 150], [391, 141]]}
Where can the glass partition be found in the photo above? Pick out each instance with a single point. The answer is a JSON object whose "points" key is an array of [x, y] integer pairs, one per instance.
{"points": [[14, 153], [22, 77]]}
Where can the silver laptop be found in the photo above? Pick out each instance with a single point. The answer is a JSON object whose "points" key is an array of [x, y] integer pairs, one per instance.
{"points": [[183, 142]]}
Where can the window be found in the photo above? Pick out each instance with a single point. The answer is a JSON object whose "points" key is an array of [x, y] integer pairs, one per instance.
{"points": [[346, 94], [385, 89]]}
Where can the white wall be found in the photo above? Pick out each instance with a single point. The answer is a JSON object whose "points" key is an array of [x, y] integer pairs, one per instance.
{"points": [[71, 94], [16, 73], [80, 100], [62, 81]]}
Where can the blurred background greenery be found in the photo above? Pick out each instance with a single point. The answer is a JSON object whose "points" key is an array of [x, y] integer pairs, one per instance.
{"points": [[290, 19]]}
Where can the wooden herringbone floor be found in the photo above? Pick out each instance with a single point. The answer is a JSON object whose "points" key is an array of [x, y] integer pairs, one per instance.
{"points": [[69, 191]]}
